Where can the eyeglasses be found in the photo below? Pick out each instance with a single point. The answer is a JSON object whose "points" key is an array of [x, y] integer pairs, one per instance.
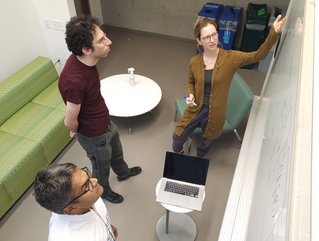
{"points": [[208, 38], [101, 40], [87, 186]]}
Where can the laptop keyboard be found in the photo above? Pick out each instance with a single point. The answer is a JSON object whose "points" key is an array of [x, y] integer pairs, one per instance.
{"points": [[181, 189]]}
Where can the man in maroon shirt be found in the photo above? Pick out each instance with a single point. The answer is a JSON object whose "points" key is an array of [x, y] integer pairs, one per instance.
{"points": [[87, 115]]}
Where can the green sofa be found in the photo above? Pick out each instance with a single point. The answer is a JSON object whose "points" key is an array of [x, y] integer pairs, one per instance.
{"points": [[32, 131]]}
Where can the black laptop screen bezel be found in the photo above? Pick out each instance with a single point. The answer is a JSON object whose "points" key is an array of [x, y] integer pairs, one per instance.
{"points": [[186, 168]]}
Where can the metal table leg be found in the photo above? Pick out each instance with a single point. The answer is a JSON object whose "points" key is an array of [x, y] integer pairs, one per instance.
{"points": [[167, 220]]}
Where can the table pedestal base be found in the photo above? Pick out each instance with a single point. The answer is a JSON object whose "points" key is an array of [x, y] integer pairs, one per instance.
{"points": [[177, 227]]}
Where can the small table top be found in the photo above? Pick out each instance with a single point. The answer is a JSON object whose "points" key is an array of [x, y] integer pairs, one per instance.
{"points": [[125, 100]]}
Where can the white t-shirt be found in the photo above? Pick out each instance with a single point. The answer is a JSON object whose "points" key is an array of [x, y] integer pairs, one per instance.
{"points": [[94, 225]]}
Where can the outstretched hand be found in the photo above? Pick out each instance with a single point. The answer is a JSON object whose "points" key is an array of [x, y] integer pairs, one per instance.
{"points": [[279, 23]]}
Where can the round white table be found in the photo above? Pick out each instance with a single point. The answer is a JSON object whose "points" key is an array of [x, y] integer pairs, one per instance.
{"points": [[125, 100], [175, 225]]}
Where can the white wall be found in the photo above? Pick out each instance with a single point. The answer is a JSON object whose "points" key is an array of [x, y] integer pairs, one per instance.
{"points": [[49, 12], [24, 35], [21, 36]]}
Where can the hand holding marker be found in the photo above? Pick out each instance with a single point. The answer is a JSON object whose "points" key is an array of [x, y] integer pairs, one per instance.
{"points": [[189, 102]]}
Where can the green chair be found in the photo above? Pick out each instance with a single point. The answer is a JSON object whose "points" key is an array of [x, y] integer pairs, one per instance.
{"points": [[240, 99]]}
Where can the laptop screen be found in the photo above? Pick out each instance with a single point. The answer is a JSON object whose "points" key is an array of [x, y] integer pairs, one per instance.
{"points": [[186, 168]]}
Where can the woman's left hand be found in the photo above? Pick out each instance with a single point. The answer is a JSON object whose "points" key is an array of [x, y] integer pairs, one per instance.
{"points": [[279, 23]]}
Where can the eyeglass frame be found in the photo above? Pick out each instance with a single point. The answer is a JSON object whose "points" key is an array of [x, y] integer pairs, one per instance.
{"points": [[88, 184], [208, 38]]}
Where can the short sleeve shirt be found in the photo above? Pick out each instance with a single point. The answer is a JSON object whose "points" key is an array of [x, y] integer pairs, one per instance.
{"points": [[94, 225], [80, 84]]}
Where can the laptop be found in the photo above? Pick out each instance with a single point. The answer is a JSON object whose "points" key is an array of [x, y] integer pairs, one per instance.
{"points": [[189, 174]]}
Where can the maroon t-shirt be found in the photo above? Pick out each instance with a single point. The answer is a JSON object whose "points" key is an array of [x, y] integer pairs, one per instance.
{"points": [[80, 84]]}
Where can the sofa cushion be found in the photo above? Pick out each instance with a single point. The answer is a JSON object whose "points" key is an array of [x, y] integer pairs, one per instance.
{"points": [[50, 96], [5, 200], [42, 124], [21, 159], [24, 85]]}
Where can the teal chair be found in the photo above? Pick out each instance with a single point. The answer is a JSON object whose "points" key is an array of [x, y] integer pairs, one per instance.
{"points": [[240, 99]]}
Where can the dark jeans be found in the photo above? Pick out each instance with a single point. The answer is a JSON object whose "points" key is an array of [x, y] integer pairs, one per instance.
{"points": [[199, 121], [105, 151]]}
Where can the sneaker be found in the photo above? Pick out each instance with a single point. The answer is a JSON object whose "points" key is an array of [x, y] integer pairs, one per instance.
{"points": [[133, 172], [113, 197]]}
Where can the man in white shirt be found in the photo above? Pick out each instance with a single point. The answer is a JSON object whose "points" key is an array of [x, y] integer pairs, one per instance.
{"points": [[74, 198]]}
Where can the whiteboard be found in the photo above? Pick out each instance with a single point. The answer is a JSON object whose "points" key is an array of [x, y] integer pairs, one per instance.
{"points": [[268, 215], [257, 208]]}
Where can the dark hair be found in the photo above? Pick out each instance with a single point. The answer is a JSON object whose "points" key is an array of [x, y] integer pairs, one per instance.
{"points": [[52, 186], [79, 33], [202, 23]]}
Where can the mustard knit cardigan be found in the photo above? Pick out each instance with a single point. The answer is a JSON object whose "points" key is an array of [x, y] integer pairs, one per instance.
{"points": [[228, 61]]}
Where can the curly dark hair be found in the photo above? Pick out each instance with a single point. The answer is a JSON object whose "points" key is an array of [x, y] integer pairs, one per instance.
{"points": [[79, 33], [53, 188]]}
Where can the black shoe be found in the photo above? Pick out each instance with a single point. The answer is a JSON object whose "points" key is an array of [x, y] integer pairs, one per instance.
{"points": [[113, 197], [133, 172]]}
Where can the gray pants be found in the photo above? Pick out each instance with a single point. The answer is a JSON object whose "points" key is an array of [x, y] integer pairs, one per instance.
{"points": [[199, 121], [105, 151]]}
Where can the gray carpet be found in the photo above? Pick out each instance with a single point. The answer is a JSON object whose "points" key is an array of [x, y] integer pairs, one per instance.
{"points": [[165, 60]]}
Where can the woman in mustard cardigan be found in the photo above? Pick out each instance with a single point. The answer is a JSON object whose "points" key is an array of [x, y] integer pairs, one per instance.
{"points": [[210, 75]]}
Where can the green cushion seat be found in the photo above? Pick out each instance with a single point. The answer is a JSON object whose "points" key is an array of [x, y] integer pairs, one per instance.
{"points": [[21, 159], [50, 97], [21, 87], [42, 124], [32, 131]]}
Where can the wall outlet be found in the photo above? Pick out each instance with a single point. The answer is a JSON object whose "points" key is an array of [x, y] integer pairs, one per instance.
{"points": [[58, 24], [58, 60], [47, 23]]}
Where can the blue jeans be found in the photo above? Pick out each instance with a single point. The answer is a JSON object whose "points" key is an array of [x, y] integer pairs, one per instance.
{"points": [[105, 151], [199, 121]]}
